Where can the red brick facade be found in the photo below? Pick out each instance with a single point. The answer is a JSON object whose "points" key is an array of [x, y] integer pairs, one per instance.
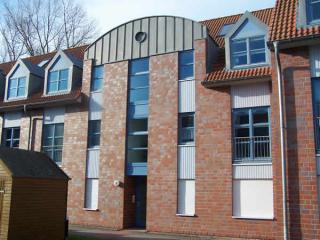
{"points": [[213, 144]]}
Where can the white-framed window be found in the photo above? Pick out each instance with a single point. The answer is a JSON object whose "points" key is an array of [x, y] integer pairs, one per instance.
{"points": [[11, 137], [52, 141], [248, 51], [17, 87], [97, 78], [186, 128], [313, 11], [58, 81]]}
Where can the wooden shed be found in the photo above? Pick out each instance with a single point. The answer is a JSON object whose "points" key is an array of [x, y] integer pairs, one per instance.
{"points": [[33, 196]]}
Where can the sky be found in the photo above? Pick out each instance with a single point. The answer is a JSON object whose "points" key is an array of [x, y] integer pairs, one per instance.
{"points": [[111, 13]]}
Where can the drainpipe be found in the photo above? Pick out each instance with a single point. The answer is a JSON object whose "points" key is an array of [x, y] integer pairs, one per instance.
{"points": [[282, 142]]}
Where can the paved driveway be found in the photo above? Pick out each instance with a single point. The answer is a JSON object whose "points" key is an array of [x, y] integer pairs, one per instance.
{"points": [[93, 234]]}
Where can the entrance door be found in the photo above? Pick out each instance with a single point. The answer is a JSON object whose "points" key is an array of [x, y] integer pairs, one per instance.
{"points": [[141, 200]]}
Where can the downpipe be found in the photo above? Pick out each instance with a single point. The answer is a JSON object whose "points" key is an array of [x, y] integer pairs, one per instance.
{"points": [[282, 142]]}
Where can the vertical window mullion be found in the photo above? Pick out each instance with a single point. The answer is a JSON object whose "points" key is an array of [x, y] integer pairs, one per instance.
{"points": [[251, 134]]}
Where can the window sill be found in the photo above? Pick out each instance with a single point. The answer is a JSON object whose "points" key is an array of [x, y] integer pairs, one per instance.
{"points": [[253, 218], [187, 145], [91, 209], [252, 164], [185, 215], [15, 99], [96, 91], [248, 66], [57, 93]]}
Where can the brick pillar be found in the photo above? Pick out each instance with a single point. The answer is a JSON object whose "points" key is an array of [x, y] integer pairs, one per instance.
{"points": [[75, 151], [24, 132], [162, 142], [113, 143], [302, 170]]}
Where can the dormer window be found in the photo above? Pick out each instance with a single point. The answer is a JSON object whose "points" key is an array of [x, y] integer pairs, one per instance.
{"points": [[248, 51], [245, 43], [17, 87], [58, 81], [313, 11]]}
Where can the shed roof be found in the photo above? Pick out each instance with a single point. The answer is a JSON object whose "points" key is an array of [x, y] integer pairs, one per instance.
{"points": [[28, 164]]}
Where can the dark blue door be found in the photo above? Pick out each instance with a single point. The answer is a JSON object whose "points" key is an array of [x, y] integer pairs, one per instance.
{"points": [[141, 200]]}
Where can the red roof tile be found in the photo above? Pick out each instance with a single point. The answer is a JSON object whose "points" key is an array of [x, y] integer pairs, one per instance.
{"points": [[214, 25], [284, 24], [219, 73]]}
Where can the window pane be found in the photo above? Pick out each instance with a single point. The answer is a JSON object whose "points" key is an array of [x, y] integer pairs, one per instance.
{"points": [[261, 116], [257, 43], [58, 141], [64, 74], [261, 131], [239, 59], [48, 131], [63, 85], [21, 92], [98, 72], [242, 118], [16, 133], [139, 95], [242, 132], [15, 144], [139, 141], [139, 65], [12, 92], [53, 76], [139, 81], [13, 83], [94, 133], [52, 86], [22, 82], [94, 141], [239, 46], [59, 130], [138, 125], [48, 141], [186, 57], [96, 84], [315, 10], [57, 155], [186, 135], [187, 121], [186, 72], [258, 57], [137, 156]]}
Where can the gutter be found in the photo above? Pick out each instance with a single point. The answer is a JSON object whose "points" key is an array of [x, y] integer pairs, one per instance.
{"points": [[282, 142]]}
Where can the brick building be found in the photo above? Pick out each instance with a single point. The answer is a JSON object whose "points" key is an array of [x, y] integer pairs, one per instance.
{"points": [[175, 125]]}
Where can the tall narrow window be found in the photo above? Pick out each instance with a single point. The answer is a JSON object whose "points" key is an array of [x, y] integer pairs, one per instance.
{"points": [[94, 133], [248, 51], [92, 171], [186, 135], [11, 137], [313, 11], [138, 100], [186, 65], [251, 134], [17, 87], [58, 81], [52, 142], [316, 111], [97, 78], [186, 128]]}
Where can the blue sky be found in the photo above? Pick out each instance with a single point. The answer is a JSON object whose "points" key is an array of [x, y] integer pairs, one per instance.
{"points": [[111, 13]]}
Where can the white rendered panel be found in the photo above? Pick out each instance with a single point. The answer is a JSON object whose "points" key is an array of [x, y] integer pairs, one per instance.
{"points": [[253, 199], [12, 119], [54, 115], [93, 163], [250, 95], [95, 106], [259, 171], [92, 192], [186, 162], [187, 102], [186, 197]]}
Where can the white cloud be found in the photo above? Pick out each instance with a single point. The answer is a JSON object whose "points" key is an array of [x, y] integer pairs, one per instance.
{"points": [[111, 13]]}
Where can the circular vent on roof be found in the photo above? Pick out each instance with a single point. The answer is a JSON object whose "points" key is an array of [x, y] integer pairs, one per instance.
{"points": [[140, 36]]}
